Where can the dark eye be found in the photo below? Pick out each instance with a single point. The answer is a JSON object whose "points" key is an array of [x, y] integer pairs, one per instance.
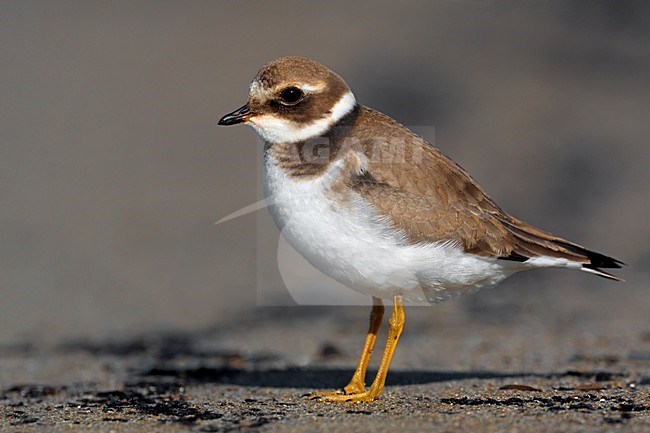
{"points": [[291, 95]]}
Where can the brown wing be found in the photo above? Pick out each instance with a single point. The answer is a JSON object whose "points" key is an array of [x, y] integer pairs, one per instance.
{"points": [[433, 199]]}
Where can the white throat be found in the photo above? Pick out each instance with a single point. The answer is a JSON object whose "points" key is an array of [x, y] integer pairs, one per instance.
{"points": [[273, 129]]}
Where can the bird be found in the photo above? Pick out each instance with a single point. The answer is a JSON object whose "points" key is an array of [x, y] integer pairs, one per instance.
{"points": [[379, 209]]}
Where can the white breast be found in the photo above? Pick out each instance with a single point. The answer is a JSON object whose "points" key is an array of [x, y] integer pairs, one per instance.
{"points": [[356, 246]]}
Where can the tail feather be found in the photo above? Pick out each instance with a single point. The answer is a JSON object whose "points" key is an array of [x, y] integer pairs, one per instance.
{"points": [[594, 270], [532, 242]]}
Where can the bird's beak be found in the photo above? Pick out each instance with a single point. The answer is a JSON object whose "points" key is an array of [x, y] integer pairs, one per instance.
{"points": [[240, 115]]}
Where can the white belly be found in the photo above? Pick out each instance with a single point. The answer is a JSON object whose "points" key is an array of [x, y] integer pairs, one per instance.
{"points": [[354, 245]]}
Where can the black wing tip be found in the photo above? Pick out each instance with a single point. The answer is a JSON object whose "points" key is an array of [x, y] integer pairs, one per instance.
{"points": [[602, 261], [596, 260]]}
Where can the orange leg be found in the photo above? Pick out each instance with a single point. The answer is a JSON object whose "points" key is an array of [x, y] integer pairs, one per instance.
{"points": [[358, 394], [357, 383]]}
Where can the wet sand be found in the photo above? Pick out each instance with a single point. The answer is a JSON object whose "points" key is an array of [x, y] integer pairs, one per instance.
{"points": [[509, 368]]}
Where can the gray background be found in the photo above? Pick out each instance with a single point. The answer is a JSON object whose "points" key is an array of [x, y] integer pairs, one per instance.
{"points": [[113, 170]]}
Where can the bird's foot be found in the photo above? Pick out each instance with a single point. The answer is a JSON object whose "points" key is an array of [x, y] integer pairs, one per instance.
{"points": [[339, 397], [353, 388]]}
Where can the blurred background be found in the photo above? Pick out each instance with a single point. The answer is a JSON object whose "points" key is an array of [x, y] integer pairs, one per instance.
{"points": [[113, 170]]}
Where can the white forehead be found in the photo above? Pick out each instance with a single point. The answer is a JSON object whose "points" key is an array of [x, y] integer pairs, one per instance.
{"points": [[256, 90]]}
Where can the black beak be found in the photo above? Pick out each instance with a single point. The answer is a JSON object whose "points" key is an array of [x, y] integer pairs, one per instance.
{"points": [[238, 116]]}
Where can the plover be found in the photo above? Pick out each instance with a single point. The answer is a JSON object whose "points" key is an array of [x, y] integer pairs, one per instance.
{"points": [[377, 208]]}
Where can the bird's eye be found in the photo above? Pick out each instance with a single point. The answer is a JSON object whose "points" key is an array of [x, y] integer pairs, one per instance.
{"points": [[291, 95]]}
